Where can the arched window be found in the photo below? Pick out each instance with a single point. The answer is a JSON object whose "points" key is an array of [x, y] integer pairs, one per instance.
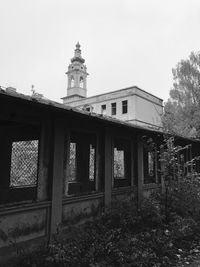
{"points": [[81, 82], [72, 81]]}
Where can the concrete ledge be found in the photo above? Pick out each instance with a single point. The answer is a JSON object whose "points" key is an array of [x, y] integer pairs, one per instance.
{"points": [[19, 207], [122, 190], [151, 186], [79, 198]]}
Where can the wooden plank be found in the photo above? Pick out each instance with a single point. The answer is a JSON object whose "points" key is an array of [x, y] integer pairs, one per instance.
{"points": [[44, 160], [97, 165], [108, 168], [58, 174], [162, 167], [140, 163], [66, 163], [132, 163]]}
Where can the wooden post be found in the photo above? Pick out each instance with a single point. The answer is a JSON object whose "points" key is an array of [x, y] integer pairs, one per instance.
{"points": [[108, 168], [97, 178], [162, 166], [132, 165], [66, 163], [140, 163], [58, 174], [44, 158]]}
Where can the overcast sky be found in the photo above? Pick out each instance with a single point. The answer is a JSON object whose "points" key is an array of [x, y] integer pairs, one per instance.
{"points": [[123, 42]]}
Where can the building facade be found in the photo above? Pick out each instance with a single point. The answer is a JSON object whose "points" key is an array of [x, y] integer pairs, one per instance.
{"points": [[130, 104]]}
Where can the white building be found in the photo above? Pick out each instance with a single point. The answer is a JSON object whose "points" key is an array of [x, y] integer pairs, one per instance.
{"points": [[130, 104]]}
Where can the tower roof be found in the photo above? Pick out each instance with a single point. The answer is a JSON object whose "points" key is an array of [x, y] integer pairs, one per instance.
{"points": [[77, 54]]}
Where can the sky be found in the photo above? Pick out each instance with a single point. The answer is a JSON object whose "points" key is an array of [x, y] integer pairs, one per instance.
{"points": [[124, 43]]}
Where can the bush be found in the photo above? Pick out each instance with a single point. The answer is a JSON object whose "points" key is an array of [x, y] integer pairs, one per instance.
{"points": [[121, 237]]}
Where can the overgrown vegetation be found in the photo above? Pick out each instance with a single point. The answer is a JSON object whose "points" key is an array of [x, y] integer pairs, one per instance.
{"points": [[165, 230], [181, 111]]}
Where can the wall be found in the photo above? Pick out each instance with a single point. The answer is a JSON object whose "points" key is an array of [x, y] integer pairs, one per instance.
{"points": [[147, 112], [19, 224], [78, 209], [143, 108]]}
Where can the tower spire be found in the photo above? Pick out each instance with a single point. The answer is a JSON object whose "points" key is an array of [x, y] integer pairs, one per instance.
{"points": [[77, 54], [77, 77]]}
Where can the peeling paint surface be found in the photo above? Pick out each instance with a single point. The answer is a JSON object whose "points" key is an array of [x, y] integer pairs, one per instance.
{"points": [[76, 212], [124, 196], [22, 227]]}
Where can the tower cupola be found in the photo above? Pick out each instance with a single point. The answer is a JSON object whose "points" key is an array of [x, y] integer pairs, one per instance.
{"points": [[77, 78], [77, 55]]}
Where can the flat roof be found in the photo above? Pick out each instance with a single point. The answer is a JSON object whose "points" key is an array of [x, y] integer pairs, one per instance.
{"points": [[119, 90]]}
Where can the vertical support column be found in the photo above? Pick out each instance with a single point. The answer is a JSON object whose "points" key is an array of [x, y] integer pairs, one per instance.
{"points": [[156, 165], [69, 81], [108, 168], [66, 163], [44, 158], [58, 174], [85, 82], [132, 163], [140, 163], [97, 177], [190, 159], [162, 166]]}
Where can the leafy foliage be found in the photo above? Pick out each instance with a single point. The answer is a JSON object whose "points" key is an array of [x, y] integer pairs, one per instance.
{"points": [[182, 110]]}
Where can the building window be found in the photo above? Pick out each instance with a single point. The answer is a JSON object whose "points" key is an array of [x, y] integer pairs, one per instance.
{"points": [[121, 163], [150, 159], [73, 162], [24, 163], [151, 164], [92, 163], [103, 109], [113, 108], [82, 163], [72, 81], [19, 156], [81, 82], [124, 106], [88, 108]]}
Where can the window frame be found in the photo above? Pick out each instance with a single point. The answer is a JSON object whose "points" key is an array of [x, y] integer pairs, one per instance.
{"points": [[127, 144], [103, 109], [16, 133], [114, 108], [83, 184], [124, 106], [150, 179]]}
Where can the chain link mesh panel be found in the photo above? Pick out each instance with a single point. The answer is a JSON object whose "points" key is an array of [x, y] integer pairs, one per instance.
{"points": [[24, 163]]}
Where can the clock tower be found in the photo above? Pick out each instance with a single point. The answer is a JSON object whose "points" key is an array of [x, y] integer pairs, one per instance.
{"points": [[77, 78]]}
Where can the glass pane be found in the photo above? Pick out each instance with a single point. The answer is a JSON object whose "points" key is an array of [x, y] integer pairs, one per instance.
{"points": [[92, 163], [150, 163], [73, 162], [24, 163], [119, 170]]}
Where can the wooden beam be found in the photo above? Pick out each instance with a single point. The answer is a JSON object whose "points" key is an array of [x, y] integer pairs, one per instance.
{"points": [[140, 163], [108, 168], [97, 165], [132, 163], [58, 174], [45, 148]]}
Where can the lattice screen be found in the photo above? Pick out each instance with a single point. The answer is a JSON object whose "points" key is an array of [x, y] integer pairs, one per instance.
{"points": [[24, 163]]}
